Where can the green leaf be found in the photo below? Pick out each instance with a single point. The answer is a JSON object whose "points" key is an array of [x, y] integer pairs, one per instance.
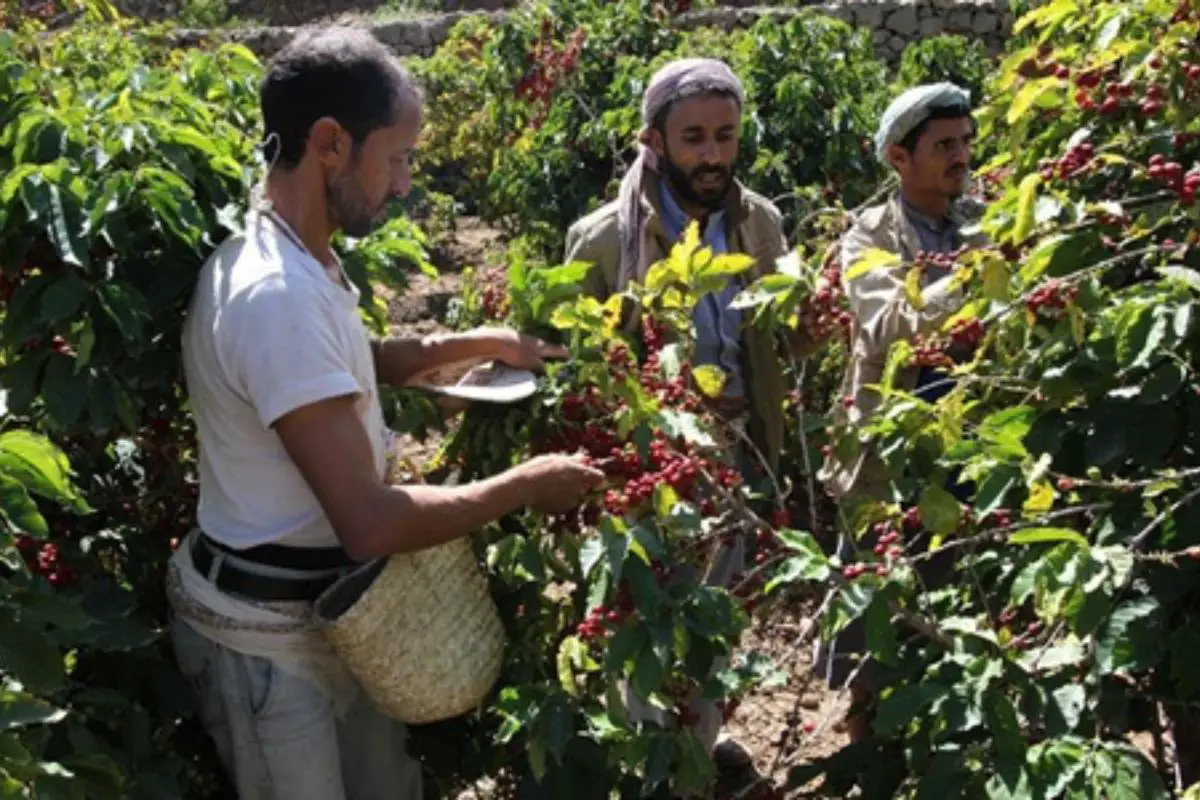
{"points": [[1122, 772], [571, 652], [19, 509], [810, 563], [63, 298], [902, 707], [912, 288], [65, 392], [1131, 640], [1041, 535], [1030, 94], [556, 725], [848, 604], [882, 639], [872, 259], [684, 425], [30, 657], [995, 279], [40, 466], [940, 511], [696, 769], [623, 647], [1056, 763], [1068, 702], [18, 710], [126, 307], [995, 487], [615, 538], [726, 264], [1026, 199], [648, 672], [1004, 726], [710, 379]]}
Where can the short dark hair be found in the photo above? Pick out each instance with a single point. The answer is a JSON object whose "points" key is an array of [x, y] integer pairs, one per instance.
{"points": [[339, 72], [952, 111]]}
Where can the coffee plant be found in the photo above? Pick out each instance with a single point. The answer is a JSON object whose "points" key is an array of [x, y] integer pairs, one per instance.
{"points": [[613, 592], [546, 105], [1066, 629]]}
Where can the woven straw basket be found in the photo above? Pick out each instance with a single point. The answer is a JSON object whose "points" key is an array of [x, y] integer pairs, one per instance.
{"points": [[419, 631]]}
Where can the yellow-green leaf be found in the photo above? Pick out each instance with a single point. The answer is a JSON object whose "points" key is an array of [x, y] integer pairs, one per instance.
{"points": [[580, 314], [726, 264], [1047, 14], [611, 313], [1077, 322], [570, 653], [912, 288], [1039, 535], [1041, 498], [873, 259], [1029, 94], [995, 278], [710, 379], [1026, 203], [663, 274]]}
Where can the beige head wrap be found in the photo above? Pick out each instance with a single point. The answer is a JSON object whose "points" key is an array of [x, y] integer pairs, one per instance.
{"points": [[674, 82]]}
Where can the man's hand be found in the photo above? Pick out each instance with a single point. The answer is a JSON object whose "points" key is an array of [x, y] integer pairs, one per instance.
{"points": [[558, 483], [518, 349]]}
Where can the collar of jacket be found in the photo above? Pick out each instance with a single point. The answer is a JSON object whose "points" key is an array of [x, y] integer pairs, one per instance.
{"points": [[891, 214]]}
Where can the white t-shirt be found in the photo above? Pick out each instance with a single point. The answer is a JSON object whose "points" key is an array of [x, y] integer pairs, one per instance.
{"points": [[270, 331]]}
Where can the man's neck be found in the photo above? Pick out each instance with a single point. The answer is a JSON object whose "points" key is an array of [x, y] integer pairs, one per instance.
{"points": [[304, 211], [931, 204]]}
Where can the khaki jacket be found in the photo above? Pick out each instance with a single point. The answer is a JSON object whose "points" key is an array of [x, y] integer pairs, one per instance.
{"points": [[883, 315], [754, 227]]}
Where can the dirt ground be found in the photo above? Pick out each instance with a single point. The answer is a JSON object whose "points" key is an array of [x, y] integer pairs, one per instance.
{"points": [[762, 720]]}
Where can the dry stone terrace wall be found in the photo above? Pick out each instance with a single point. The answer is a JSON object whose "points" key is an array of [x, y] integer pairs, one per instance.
{"points": [[894, 23]]}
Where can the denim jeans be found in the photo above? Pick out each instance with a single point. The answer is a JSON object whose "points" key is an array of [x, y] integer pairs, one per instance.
{"points": [[277, 734]]}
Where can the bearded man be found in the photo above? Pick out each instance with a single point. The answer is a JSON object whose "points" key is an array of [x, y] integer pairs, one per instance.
{"points": [[684, 173], [282, 380], [925, 136]]}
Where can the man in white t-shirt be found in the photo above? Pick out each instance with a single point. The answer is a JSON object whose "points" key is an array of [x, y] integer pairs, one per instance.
{"points": [[282, 379]]}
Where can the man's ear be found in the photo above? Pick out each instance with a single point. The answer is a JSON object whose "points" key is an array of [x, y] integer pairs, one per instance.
{"points": [[329, 142], [655, 141], [898, 157]]}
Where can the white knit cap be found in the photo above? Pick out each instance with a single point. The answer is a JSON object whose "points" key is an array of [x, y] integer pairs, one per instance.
{"points": [[912, 108]]}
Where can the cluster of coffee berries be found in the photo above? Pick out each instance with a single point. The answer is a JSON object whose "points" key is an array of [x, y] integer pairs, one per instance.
{"points": [[1050, 295], [43, 559], [1171, 174], [967, 333], [548, 67], [825, 309], [941, 262], [1077, 160], [492, 286], [930, 351]]}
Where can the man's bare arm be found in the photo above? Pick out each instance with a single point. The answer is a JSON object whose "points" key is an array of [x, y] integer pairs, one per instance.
{"points": [[328, 444], [401, 361]]}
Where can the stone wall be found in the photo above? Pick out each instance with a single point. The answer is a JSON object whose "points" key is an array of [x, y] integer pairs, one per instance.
{"points": [[894, 23]]}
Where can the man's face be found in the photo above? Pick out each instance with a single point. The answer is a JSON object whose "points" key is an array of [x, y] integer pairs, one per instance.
{"points": [[698, 147], [377, 171], [941, 162]]}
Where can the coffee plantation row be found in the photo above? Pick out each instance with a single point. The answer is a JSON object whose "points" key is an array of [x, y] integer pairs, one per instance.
{"points": [[125, 161]]}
